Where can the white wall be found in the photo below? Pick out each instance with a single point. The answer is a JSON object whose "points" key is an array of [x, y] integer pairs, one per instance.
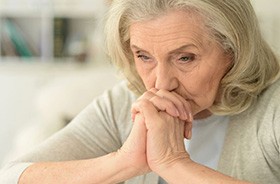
{"points": [[269, 17]]}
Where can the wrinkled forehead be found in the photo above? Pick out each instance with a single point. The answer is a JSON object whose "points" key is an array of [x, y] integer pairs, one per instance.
{"points": [[174, 26], [188, 17]]}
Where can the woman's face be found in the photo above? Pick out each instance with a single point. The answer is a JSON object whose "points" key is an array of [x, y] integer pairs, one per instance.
{"points": [[174, 52]]}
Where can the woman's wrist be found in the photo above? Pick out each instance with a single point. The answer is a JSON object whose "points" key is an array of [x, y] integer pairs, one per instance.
{"points": [[176, 171], [171, 163], [130, 167]]}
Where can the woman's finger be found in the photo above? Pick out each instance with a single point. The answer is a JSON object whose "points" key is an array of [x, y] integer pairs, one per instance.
{"points": [[135, 107], [187, 106], [188, 130], [164, 104], [180, 103], [160, 102], [170, 102]]}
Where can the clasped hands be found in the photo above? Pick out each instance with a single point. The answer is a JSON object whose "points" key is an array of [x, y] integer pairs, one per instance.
{"points": [[162, 120]]}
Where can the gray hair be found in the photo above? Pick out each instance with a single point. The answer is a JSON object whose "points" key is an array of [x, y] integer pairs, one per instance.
{"points": [[232, 23]]}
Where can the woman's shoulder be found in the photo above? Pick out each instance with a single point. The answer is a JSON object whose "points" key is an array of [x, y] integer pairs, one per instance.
{"points": [[116, 102], [255, 132], [265, 114], [264, 111], [112, 106], [119, 95], [121, 88], [267, 103]]}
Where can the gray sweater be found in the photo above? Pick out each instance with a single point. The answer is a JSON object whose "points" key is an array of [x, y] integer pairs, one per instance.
{"points": [[251, 149]]}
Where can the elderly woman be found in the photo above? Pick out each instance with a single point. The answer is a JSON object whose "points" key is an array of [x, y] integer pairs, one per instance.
{"points": [[196, 69]]}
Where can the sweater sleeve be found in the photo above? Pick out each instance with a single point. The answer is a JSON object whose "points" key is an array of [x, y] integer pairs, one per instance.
{"points": [[11, 172], [99, 129]]}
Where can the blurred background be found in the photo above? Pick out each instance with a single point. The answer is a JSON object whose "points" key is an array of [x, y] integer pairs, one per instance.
{"points": [[52, 64]]}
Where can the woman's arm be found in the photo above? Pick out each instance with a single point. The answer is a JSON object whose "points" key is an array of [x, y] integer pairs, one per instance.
{"points": [[110, 168], [92, 137], [186, 171], [105, 169], [127, 162]]}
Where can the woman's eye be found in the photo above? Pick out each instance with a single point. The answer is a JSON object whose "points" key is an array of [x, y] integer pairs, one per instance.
{"points": [[144, 58], [185, 59]]}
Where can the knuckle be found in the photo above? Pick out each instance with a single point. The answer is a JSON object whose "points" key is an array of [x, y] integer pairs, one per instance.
{"points": [[146, 95], [144, 103], [161, 92]]}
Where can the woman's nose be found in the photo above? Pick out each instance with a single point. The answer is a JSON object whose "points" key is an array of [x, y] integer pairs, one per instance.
{"points": [[166, 77]]}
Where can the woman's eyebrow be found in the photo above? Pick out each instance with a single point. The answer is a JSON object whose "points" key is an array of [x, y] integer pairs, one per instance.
{"points": [[180, 49], [138, 49]]}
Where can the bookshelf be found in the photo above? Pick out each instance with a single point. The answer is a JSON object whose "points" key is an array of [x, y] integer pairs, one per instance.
{"points": [[49, 30]]}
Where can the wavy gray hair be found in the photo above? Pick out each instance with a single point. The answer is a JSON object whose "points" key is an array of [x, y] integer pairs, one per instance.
{"points": [[232, 23]]}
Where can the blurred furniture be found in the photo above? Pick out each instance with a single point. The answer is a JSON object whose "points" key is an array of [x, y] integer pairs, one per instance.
{"points": [[49, 30]]}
